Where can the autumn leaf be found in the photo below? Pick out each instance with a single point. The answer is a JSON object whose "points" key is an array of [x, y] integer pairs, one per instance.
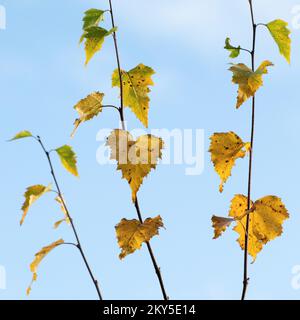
{"points": [[220, 224], [88, 108], [93, 38], [66, 219], [22, 135], [238, 211], [132, 233], [234, 51], [266, 216], [38, 259], [281, 34], [136, 84], [248, 81], [68, 159], [134, 158], [32, 194], [225, 149]]}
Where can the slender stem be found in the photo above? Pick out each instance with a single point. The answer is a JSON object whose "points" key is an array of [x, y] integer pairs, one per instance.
{"points": [[246, 278], [156, 267], [243, 49], [110, 106], [121, 109], [78, 245]]}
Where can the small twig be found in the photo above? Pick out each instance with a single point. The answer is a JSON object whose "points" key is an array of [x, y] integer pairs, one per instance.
{"points": [[111, 106], [156, 267], [243, 49], [69, 244], [121, 109], [78, 245], [261, 24]]}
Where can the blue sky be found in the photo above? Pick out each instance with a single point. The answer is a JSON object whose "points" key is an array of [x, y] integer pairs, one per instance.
{"points": [[43, 76]]}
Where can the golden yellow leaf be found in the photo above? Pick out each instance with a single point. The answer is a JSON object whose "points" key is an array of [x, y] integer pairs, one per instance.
{"points": [[62, 207], [88, 108], [135, 158], [269, 214], [38, 259], [220, 224], [225, 149], [281, 34], [131, 233], [247, 80], [136, 84], [32, 194], [266, 217], [238, 211], [58, 223]]}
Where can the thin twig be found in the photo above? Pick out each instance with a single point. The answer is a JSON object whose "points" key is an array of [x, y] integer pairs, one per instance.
{"points": [[121, 109], [243, 49], [110, 106], [78, 245], [69, 244], [156, 267], [246, 278]]}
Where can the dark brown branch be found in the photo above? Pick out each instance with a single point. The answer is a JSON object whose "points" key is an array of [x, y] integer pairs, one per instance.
{"points": [[78, 245]]}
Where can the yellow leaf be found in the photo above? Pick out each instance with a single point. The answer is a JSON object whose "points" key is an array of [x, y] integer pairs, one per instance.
{"points": [[68, 159], [32, 194], [281, 35], [135, 158], [61, 201], [131, 233], [88, 108], [136, 84], [266, 217], [22, 135], [220, 225], [225, 149], [248, 81], [94, 37], [38, 259], [58, 223]]}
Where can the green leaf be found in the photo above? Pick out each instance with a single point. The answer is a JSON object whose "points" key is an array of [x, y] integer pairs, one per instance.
{"points": [[92, 17], [136, 84], [281, 35], [68, 159], [94, 38], [234, 51], [32, 194], [21, 135]]}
